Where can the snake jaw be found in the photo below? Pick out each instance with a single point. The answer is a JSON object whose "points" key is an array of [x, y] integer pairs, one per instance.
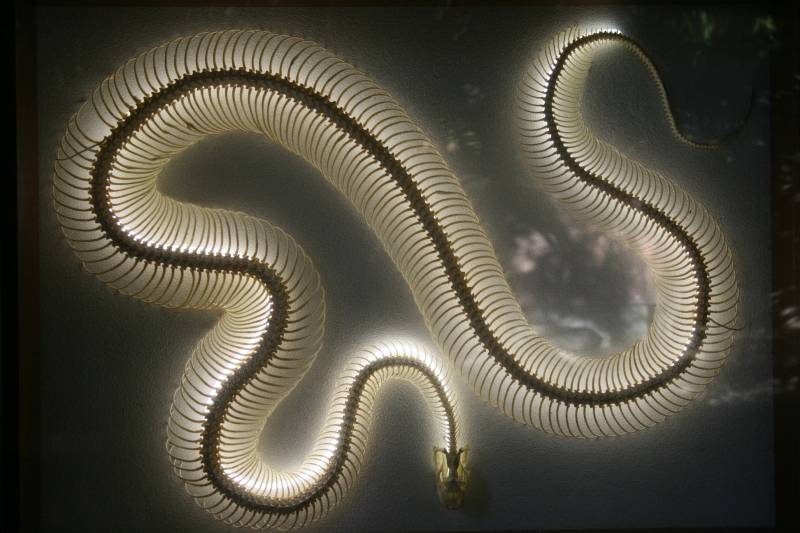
{"points": [[452, 476]]}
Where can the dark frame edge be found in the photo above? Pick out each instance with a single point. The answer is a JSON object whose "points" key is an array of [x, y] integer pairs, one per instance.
{"points": [[785, 192], [21, 301]]}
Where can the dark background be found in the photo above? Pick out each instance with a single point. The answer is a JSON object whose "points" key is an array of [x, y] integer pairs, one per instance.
{"points": [[108, 365]]}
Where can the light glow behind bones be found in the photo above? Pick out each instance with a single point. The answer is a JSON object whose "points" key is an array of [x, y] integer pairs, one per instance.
{"points": [[149, 246]]}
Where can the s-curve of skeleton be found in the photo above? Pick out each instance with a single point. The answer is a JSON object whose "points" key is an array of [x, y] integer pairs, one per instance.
{"points": [[148, 246]]}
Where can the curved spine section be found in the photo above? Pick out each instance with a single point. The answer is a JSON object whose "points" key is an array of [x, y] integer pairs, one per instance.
{"points": [[151, 247], [249, 493], [697, 293]]}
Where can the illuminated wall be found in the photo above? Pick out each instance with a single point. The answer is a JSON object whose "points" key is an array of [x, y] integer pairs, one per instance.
{"points": [[110, 365]]}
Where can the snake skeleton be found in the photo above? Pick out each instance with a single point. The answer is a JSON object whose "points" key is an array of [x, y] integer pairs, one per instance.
{"points": [[148, 246]]}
